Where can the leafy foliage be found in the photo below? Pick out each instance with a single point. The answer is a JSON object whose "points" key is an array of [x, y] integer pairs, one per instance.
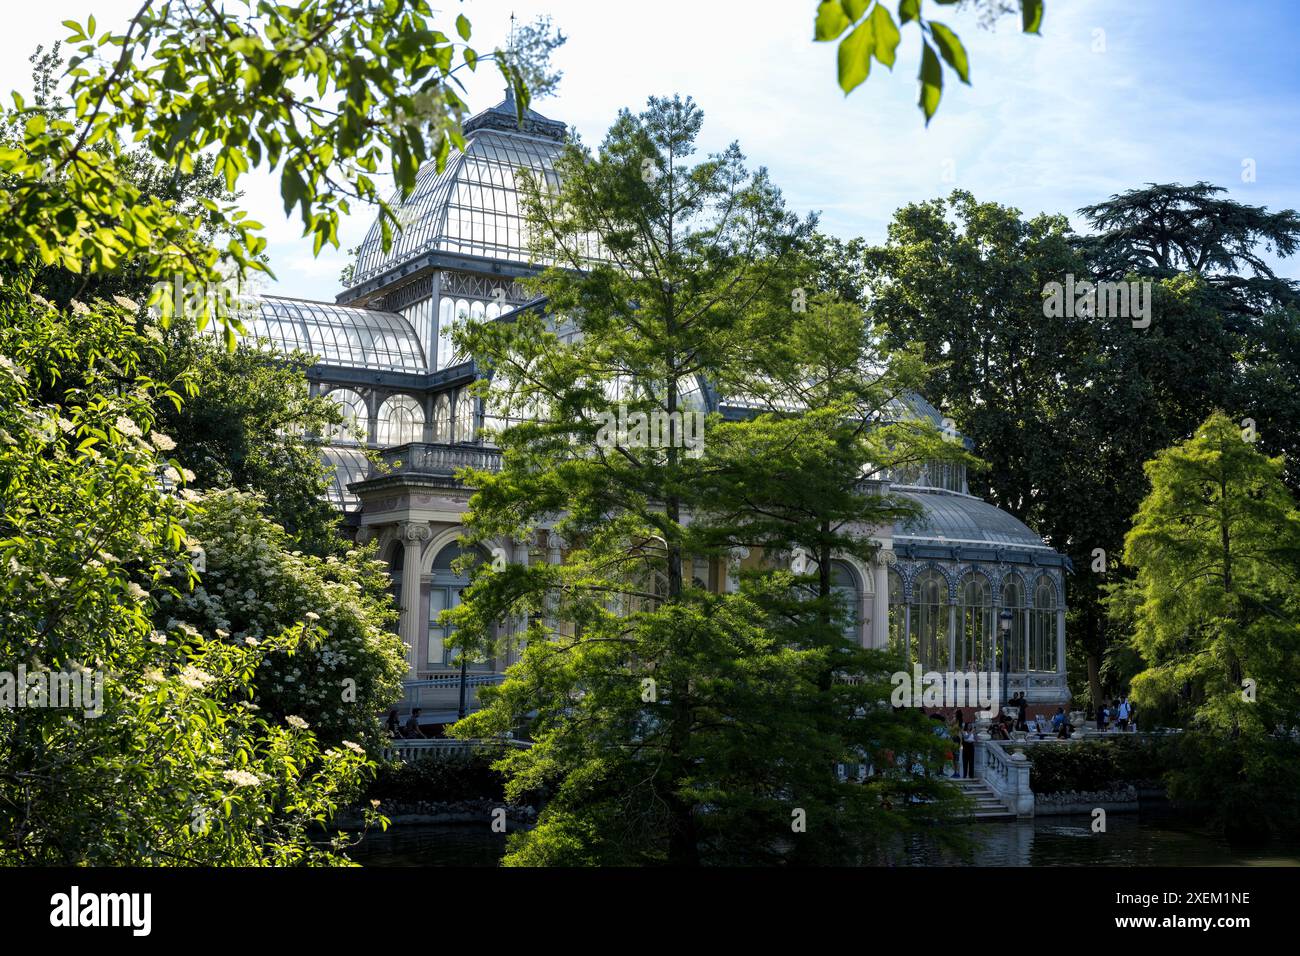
{"points": [[247, 421], [1216, 550], [674, 722], [326, 91], [1098, 765], [869, 33], [348, 665], [177, 766]]}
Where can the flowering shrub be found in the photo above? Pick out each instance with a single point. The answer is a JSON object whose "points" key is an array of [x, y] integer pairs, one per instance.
{"points": [[348, 667], [179, 766]]}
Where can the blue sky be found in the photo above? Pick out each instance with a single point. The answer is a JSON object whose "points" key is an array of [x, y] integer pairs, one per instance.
{"points": [[1113, 94]]}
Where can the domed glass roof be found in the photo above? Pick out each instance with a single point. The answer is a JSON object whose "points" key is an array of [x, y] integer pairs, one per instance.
{"points": [[338, 335], [956, 519], [471, 208]]}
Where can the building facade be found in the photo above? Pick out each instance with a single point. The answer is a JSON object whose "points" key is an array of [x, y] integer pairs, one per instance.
{"points": [[964, 587]]}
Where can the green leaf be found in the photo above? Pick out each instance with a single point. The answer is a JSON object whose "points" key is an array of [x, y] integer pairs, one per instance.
{"points": [[931, 77], [855, 8], [831, 21], [855, 56], [951, 49], [1031, 15], [887, 35], [909, 10], [462, 26]]}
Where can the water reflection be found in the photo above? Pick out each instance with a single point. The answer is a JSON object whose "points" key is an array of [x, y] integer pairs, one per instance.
{"points": [[1129, 840]]}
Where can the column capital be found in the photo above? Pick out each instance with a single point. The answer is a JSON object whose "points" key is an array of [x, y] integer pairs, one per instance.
{"points": [[413, 531]]}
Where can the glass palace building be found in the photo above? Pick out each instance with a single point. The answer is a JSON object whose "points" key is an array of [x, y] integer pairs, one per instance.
{"points": [[952, 589]]}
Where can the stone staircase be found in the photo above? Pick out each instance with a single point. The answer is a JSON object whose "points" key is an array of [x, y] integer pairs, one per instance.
{"points": [[987, 805]]}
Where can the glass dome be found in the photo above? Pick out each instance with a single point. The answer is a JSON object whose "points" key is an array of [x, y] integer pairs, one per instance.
{"points": [[961, 519], [471, 208], [337, 335]]}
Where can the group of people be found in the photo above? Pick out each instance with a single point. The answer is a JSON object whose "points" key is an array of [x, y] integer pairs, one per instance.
{"points": [[407, 731], [962, 734], [1118, 715]]}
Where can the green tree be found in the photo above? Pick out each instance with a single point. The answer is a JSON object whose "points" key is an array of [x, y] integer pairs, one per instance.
{"points": [[1215, 548], [177, 766], [1216, 551], [324, 91], [348, 666], [247, 421], [674, 721], [162, 760], [1063, 406], [1167, 229]]}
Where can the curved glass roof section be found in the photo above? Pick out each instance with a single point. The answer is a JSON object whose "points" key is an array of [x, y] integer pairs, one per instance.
{"points": [[961, 519], [349, 464], [336, 334], [471, 208]]}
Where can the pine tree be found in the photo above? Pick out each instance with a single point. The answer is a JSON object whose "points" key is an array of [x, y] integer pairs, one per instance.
{"points": [[673, 719], [1216, 549]]}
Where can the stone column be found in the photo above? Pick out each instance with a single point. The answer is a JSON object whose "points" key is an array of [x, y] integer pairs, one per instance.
{"points": [[410, 627], [880, 599], [554, 555], [734, 557]]}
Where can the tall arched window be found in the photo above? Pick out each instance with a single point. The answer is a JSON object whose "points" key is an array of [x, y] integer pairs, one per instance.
{"points": [[466, 428], [975, 624], [356, 417], [401, 420], [847, 591], [445, 585], [1013, 600], [446, 322], [928, 620], [897, 616], [1042, 627], [442, 419]]}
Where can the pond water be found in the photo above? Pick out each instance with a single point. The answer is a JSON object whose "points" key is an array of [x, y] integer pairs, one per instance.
{"points": [[1129, 840]]}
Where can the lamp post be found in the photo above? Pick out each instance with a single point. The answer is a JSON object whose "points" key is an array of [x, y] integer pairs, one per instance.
{"points": [[460, 713], [1004, 630]]}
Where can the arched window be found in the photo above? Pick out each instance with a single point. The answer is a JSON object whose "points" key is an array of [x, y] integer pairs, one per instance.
{"points": [[356, 417], [446, 322], [445, 585], [1042, 627], [928, 620], [442, 419], [466, 427], [847, 591], [975, 625], [897, 615], [1013, 600], [401, 420]]}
